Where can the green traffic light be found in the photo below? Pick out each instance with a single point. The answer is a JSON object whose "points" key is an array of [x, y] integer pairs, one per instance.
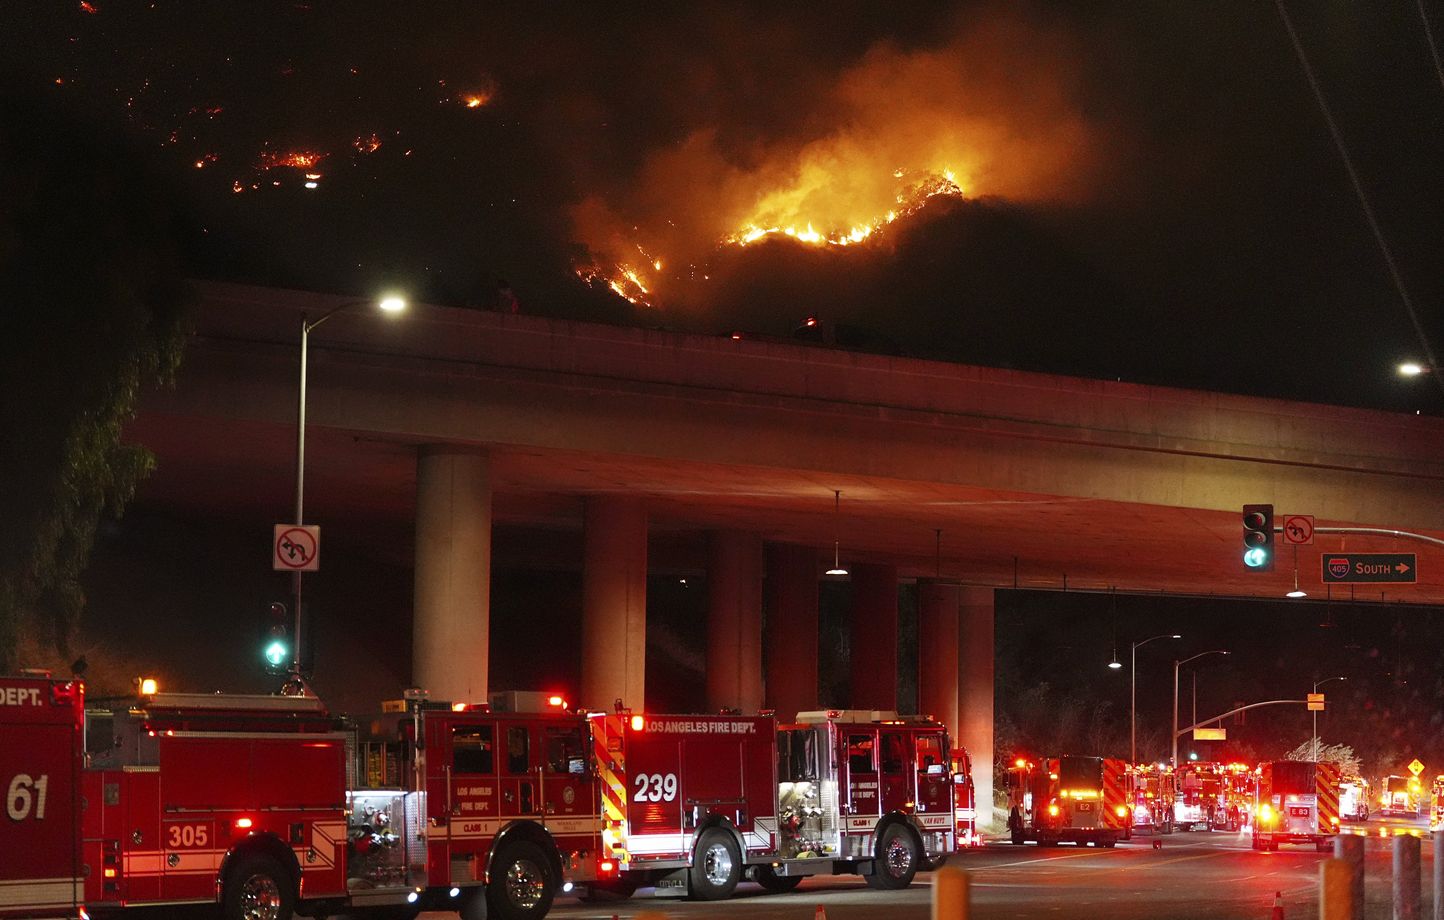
{"points": [[277, 653], [1253, 558]]}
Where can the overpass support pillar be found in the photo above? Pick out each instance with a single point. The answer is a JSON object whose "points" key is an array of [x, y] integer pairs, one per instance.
{"points": [[938, 653], [734, 621], [614, 603], [874, 637], [975, 696], [791, 629], [451, 618]]}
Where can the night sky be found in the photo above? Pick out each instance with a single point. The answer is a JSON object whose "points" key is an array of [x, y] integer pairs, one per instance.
{"points": [[1121, 190], [1141, 191]]}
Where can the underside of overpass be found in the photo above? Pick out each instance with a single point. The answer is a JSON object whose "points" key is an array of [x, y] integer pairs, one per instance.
{"points": [[968, 476]]}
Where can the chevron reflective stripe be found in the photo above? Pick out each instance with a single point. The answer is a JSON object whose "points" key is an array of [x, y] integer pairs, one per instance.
{"points": [[1326, 786], [1114, 794], [607, 735]]}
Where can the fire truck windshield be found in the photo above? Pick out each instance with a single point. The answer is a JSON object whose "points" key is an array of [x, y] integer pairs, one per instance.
{"points": [[1293, 776], [1080, 773]]}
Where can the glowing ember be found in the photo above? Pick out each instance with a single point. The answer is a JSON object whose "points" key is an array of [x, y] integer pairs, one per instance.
{"points": [[90, 8], [476, 100], [295, 159], [909, 200], [204, 161], [367, 143]]}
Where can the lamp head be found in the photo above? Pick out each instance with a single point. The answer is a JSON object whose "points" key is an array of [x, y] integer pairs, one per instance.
{"points": [[391, 303]]}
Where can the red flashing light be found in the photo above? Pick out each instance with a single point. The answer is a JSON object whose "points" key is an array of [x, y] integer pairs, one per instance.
{"points": [[243, 823], [607, 867], [736, 336], [638, 723], [812, 321], [109, 872], [458, 707], [558, 701]]}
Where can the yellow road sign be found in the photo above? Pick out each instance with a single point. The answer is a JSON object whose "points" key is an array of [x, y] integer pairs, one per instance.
{"points": [[1416, 767]]}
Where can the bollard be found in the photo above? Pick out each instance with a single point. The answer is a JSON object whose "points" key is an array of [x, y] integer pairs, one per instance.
{"points": [[1336, 896], [1406, 877], [950, 894], [1350, 849], [1439, 875]]}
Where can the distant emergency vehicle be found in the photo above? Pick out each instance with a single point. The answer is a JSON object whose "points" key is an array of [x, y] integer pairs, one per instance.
{"points": [[1152, 794], [1297, 802], [1402, 797], [1354, 799], [1081, 800]]}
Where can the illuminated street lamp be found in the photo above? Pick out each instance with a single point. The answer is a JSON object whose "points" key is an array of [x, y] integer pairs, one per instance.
{"points": [[1315, 713], [391, 304], [1412, 369], [1176, 665], [1133, 696]]}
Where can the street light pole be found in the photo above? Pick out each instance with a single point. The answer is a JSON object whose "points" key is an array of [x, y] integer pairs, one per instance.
{"points": [[1176, 665], [389, 305], [1315, 714], [1133, 697]]}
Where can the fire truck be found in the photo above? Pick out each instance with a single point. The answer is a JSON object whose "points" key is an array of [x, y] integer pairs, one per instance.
{"points": [[1401, 797], [269, 805], [1354, 799], [1297, 801], [1436, 804], [1068, 798], [1152, 791], [965, 811], [1239, 791], [1207, 797], [253, 803], [691, 804]]}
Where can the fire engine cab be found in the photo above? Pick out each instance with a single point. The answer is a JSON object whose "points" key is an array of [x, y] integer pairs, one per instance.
{"points": [[1069, 798]]}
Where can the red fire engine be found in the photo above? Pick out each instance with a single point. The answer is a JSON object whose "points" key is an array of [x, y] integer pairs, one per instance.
{"points": [[1077, 799], [965, 811], [267, 805], [1297, 802], [1152, 793], [690, 804]]}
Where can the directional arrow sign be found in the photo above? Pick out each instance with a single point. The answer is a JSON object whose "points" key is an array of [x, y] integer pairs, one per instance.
{"points": [[1370, 568]]}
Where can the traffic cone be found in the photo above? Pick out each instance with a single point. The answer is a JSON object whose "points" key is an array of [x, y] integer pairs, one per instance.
{"points": [[1278, 911], [820, 913]]}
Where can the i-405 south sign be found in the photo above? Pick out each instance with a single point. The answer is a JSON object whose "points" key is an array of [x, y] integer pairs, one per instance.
{"points": [[1370, 568]]}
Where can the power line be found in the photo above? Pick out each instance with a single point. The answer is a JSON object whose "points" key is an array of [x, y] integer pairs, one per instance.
{"points": [[1435, 371]]}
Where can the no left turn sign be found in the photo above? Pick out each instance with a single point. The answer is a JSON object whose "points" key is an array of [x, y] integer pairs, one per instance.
{"points": [[296, 548]]}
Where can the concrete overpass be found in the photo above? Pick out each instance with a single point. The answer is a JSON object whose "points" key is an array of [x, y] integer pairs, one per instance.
{"points": [[463, 419]]}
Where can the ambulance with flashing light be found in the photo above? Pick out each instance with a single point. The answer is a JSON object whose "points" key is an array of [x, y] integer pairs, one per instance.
{"points": [[1070, 798], [1297, 801]]}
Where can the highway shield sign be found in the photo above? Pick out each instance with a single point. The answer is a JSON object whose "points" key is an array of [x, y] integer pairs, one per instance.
{"points": [[1370, 568]]}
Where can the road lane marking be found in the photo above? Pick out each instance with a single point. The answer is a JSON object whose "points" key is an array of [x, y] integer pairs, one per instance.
{"points": [[1034, 862]]}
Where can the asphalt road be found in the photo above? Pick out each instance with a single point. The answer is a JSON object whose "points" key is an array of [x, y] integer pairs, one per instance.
{"points": [[1194, 875]]}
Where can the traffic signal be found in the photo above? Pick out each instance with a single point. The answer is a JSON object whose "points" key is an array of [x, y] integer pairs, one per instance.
{"points": [[1258, 537], [276, 643]]}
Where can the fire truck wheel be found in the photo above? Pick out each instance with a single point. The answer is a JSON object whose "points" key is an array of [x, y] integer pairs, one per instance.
{"points": [[895, 859], [258, 888], [716, 866], [768, 878], [522, 886]]}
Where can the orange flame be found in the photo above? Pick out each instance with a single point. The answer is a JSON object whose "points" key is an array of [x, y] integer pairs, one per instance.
{"points": [[909, 201]]}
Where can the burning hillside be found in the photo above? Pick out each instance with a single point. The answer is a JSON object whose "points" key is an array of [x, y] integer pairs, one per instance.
{"points": [[894, 132]]}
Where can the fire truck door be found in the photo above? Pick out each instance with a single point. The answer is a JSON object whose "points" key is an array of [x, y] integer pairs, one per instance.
{"points": [[140, 837], [520, 789], [934, 794], [568, 801], [862, 778], [471, 810], [897, 778]]}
